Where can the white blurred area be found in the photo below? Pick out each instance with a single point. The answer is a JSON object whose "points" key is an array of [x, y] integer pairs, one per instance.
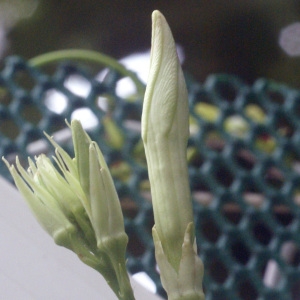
{"points": [[78, 85], [289, 39], [140, 63]]}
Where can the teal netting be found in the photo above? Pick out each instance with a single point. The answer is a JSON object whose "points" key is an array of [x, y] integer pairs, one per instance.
{"points": [[244, 166]]}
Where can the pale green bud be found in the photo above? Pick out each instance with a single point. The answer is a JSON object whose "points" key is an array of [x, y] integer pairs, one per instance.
{"points": [[107, 217], [165, 132]]}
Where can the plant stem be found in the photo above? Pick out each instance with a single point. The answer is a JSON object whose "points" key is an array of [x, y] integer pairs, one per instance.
{"points": [[88, 56], [126, 292]]}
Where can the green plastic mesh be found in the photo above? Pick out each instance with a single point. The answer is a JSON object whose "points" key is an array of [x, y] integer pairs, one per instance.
{"points": [[244, 164]]}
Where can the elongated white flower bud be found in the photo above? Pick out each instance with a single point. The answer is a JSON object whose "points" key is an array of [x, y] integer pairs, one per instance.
{"points": [[165, 132]]}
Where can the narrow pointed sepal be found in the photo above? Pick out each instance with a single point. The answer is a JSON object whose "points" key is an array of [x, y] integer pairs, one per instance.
{"points": [[186, 284], [81, 143]]}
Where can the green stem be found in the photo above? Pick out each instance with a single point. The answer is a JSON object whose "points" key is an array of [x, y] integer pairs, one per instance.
{"points": [[97, 260], [126, 292], [88, 56]]}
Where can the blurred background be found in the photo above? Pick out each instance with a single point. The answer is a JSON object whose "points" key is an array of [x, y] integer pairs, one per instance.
{"points": [[250, 38]]}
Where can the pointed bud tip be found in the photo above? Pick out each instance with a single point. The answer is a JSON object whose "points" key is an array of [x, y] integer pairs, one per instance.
{"points": [[156, 14], [160, 28], [76, 124]]}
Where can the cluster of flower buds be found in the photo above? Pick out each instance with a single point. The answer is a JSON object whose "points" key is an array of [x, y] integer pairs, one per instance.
{"points": [[77, 204]]}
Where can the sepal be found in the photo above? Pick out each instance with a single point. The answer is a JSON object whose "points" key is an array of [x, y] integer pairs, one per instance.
{"points": [[187, 282]]}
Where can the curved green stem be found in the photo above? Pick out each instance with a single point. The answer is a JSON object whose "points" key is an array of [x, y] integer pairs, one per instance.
{"points": [[88, 56]]}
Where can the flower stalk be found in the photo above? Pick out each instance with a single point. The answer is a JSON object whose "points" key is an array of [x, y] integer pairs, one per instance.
{"points": [[165, 132]]}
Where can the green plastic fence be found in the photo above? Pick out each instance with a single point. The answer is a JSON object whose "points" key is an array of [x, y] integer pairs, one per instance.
{"points": [[244, 166]]}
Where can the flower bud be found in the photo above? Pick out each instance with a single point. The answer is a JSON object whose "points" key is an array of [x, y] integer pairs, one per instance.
{"points": [[42, 204], [165, 132]]}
